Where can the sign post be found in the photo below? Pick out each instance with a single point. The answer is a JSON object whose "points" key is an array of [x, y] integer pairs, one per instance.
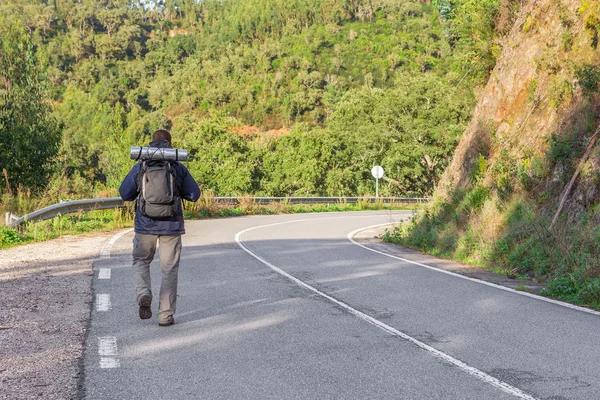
{"points": [[377, 173]]}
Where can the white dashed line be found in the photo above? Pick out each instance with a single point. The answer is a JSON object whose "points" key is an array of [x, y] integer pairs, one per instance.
{"points": [[109, 362], [107, 349], [387, 328], [107, 345], [103, 302], [104, 273]]}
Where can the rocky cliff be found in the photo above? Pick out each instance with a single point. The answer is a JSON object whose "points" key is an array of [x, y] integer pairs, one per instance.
{"points": [[539, 108], [522, 193]]}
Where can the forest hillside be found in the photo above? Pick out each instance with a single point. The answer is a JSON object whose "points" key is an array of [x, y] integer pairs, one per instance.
{"points": [[284, 97], [522, 192]]}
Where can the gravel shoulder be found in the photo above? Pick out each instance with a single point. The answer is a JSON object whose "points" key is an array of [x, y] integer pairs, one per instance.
{"points": [[45, 302]]}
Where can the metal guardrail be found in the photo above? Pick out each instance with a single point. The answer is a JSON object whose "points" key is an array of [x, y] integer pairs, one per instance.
{"points": [[322, 200], [68, 207]]}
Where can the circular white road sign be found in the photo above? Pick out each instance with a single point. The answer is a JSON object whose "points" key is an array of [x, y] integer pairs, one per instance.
{"points": [[377, 172]]}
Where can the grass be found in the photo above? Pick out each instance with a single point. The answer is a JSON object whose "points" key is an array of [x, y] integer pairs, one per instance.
{"points": [[22, 202], [207, 207], [71, 224]]}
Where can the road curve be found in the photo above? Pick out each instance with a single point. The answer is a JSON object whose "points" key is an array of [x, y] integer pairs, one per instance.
{"points": [[286, 307]]}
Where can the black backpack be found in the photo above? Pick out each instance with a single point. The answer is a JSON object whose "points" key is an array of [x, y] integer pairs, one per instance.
{"points": [[158, 197]]}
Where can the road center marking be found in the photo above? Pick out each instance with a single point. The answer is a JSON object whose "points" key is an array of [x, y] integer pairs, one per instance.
{"points": [[103, 302], [107, 345], [109, 362], [104, 273], [383, 326], [107, 350]]}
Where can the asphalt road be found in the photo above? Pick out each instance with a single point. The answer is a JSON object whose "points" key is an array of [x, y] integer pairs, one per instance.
{"points": [[286, 307]]}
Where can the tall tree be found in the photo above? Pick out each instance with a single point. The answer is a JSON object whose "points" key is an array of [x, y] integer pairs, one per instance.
{"points": [[29, 135]]}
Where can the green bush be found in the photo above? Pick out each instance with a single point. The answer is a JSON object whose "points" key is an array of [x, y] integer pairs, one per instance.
{"points": [[560, 148], [87, 226], [10, 237], [590, 292], [588, 77], [564, 287], [473, 201]]}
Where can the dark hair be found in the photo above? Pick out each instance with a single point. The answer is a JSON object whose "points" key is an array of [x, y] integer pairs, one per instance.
{"points": [[161, 134]]}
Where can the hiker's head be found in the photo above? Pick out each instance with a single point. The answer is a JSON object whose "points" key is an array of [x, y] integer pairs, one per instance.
{"points": [[161, 134]]}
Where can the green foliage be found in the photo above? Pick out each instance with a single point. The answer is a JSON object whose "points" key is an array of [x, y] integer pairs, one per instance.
{"points": [[354, 82], [588, 77], [560, 92], [433, 231], [470, 26], [473, 200], [575, 288], [533, 85], [221, 159], [564, 287], [64, 225], [479, 170], [504, 172], [590, 292], [589, 9], [567, 40], [29, 135], [531, 22], [9, 237], [560, 149]]}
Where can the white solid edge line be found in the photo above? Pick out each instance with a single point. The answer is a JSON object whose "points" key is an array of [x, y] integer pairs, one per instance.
{"points": [[105, 252], [508, 289], [389, 329]]}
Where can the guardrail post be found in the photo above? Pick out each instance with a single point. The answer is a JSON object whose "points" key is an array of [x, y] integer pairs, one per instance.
{"points": [[9, 218]]}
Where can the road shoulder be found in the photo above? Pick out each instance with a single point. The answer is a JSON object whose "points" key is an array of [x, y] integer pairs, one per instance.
{"points": [[371, 238], [44, 313]]}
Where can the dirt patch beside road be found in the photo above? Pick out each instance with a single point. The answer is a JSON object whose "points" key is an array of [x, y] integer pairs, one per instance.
{"points": [[45, 300]]}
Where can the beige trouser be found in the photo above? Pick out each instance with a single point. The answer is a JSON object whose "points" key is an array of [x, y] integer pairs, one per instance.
{"points": [[144, 247]]}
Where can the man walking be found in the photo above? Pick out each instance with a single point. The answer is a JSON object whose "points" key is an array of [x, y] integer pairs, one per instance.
{"points": [[150, 228]]}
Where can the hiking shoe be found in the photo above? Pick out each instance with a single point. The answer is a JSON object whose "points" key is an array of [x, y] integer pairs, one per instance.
{"points": [[170, 321], [145, 311]]}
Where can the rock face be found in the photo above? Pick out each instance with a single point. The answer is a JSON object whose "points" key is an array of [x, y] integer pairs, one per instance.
{"points": [[542, 89]]}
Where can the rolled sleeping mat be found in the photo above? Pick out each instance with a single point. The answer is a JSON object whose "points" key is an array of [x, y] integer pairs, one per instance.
{"points": [[159, 154]]}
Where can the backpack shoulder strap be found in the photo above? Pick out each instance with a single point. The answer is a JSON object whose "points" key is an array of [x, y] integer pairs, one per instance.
{"points": [[173, 171], [140, 180]]}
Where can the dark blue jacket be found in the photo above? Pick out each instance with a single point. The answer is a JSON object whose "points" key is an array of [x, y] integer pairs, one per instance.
{"points": [[188, 190]]}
